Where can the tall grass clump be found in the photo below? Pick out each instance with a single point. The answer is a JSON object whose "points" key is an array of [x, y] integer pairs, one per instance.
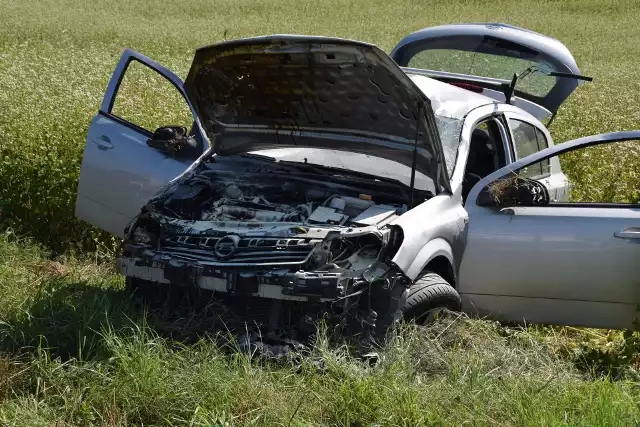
{"points": [[75, 349], [456, 372]]}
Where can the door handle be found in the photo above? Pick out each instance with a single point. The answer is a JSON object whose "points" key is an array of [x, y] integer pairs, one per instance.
{"points": [[103, 142], [628, 233]]}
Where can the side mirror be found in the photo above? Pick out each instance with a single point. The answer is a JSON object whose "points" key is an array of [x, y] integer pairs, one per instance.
{"points": [[514, 190], [174, 141]]}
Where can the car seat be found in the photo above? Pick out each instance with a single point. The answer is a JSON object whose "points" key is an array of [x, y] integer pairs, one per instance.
{"points": [[480, 162]]}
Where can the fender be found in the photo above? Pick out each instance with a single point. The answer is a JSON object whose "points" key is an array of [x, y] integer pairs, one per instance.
{"points": [[435, 247]]}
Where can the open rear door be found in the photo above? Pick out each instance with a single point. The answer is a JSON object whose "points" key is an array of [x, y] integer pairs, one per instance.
{"points": [[119, 171], [487, 55]]}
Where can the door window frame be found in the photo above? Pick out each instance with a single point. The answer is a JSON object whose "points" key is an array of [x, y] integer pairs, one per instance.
{"points": [[538, 129], [113, 87], [547, 154]]}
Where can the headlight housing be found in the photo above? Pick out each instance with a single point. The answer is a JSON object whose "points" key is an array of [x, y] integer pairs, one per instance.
{"points": [[141, 236]]}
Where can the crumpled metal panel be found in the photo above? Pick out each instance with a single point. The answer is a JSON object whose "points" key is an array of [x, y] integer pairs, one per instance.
{"points": [[278, 91]]}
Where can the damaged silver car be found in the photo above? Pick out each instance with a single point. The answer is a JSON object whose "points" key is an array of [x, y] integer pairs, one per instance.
{"points": [[323, 176]]}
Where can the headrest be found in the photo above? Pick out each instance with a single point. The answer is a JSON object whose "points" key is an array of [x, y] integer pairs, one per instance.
{"points": [[479, 136]]}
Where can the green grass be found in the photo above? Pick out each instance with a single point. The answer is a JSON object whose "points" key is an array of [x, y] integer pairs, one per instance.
{"points": [[75, 350]]}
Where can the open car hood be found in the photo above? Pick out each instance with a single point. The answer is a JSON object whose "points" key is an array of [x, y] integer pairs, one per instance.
{"points": [[306, 91]]}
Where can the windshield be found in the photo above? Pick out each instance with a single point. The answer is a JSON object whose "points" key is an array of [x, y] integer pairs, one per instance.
{"points": [[449, 129]]}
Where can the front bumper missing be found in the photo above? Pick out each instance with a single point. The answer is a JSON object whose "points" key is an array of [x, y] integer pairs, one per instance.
{"points": [[276, 284]]}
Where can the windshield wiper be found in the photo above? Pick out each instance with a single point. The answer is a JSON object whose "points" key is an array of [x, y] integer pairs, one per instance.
{"points": [[320, 169], [509, 88]]}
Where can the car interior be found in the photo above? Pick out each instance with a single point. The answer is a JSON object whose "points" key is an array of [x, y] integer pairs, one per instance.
{"points": [[486, 154]]}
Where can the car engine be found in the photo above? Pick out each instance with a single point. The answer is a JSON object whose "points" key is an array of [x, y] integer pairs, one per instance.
{"points": [[250, 228]]}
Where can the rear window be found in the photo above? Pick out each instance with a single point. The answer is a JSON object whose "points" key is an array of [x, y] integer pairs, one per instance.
{"points": [[484, 65]]}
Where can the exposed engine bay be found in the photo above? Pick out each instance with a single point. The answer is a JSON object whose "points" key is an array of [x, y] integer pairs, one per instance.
{"points": [[250, 227]]}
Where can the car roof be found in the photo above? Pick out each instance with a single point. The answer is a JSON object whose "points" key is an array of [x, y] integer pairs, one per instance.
{"points": [[449, 100]]}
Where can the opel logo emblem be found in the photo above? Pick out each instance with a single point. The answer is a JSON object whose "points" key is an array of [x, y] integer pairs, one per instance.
{"points": [[226, 246]]}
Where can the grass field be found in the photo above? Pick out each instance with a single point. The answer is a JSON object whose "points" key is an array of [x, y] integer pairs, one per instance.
{"points": [[74, 350]]}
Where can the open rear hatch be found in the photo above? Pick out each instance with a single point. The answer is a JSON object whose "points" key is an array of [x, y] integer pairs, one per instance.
{"points": [[485, 56], [305, 91]]}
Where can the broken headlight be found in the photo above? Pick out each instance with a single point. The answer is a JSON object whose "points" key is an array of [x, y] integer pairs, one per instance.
{"points": [[141, 236]]}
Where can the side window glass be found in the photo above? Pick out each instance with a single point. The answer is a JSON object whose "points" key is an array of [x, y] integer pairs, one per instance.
{"points": [[483, 150], [483, 126], [604, 173], [542, 140], [150, 101], [529, 140]]}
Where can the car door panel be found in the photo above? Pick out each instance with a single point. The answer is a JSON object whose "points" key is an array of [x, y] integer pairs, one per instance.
{"points": [[525, 310], [569, 263], [119, 171], [559, 246], [115, 183]]}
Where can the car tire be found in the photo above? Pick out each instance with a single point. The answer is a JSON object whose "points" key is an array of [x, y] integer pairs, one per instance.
{"points": [[428, 297]]}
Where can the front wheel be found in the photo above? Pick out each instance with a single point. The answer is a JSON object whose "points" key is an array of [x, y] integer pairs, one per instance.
{"points": [[429, 296]]}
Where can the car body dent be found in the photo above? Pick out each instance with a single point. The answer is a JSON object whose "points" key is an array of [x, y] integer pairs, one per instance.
{"points": [[495, 95], [438, 247], [449, 100]]}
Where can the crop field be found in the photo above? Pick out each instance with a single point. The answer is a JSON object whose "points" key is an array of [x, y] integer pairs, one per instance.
{"points": [[76, 350]]}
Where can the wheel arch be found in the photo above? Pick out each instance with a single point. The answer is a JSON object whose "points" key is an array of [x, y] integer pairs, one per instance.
{"points": [[435, 256], [442, 267]]}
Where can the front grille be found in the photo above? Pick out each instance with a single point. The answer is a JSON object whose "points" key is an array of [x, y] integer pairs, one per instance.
{"points": [[253, 250]]}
